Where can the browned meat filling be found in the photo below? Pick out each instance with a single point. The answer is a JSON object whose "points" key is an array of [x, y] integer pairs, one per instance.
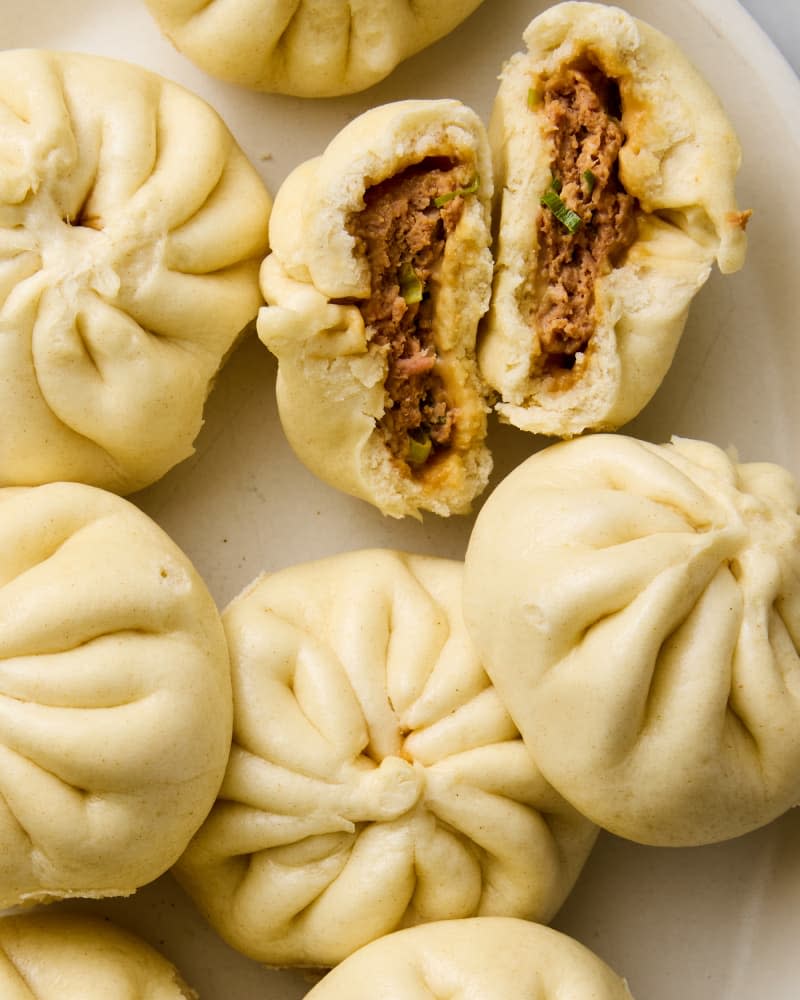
{"points": [[402, 233], [583, 109]]}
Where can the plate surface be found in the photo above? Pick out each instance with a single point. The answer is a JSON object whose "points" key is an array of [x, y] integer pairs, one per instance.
{"points": [[712, 922]]}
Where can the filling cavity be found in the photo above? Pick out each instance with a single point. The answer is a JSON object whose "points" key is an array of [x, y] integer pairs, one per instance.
{"points": [[402, 232], [588, 220]]}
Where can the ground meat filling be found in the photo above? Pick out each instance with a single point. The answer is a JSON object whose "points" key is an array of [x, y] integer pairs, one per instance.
{"points": [[402, 232], [582, 107]]}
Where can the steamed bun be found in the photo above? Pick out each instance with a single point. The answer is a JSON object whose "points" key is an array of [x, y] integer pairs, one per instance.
{"points": [[375, 778], [115, 700], [638, 608], [379, 274], [585, 321], [131, 232], [309, 48], [491, 958], [66, 956]]}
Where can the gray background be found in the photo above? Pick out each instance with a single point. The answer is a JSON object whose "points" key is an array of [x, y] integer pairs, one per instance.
{"points": [[781, 21]]}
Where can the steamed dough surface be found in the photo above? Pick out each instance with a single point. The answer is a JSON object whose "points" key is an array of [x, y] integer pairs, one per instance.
{"points": [[115, 700], [132, 228], [490, 958], [375, 778], [67, 956], [309, 48], [650, 646]]}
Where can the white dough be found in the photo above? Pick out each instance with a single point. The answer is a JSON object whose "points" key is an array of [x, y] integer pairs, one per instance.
{"points": [[68, 956], [309, 48], [649, 650], [483, 958], [131, 232], [115, 698], [375, 779]]}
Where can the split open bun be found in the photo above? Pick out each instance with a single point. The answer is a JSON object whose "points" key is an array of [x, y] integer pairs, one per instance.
{"points": [[115, 699], [309, 48], [69, 956], [493, 958], [132, 228], [375, 778], [638, 608], [388, 229], [585, 343]]}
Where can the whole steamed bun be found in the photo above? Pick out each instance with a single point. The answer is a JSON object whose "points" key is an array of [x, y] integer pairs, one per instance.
{"points": [[491, 958], [375, 778], [638, 608], [115, 699], [309, 48], [67, 956], [132, 228]]}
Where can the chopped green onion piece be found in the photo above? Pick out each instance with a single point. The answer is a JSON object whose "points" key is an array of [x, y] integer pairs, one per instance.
{"points": [[569, 219], [418, 449], [589, 180], [443, 199], [533, 98], [555, 184], [410, 285]]}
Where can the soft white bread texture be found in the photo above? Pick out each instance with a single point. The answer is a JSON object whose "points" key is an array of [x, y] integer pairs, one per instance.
{"points": [[115, 698], [649, 636], [68, 956], [309, 48], [375, 779], [131, 232], [679, 159], [491, 958], [331, 376]]}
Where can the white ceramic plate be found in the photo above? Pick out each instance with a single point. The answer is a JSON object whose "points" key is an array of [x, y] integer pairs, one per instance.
{"points": [[713, 923]]}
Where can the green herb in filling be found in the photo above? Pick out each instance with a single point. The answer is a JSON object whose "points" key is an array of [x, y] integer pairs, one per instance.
{"points": [[410, 285], [419, 448], [569, 219], [443, 199]]}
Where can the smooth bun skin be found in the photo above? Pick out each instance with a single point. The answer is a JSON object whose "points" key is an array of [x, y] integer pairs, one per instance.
{"points": [[115, 698], [493, 958], [308, 48], [68, 956], [330, 385], [375, 779], [650, 639], [680, 160], [132, 228]]}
